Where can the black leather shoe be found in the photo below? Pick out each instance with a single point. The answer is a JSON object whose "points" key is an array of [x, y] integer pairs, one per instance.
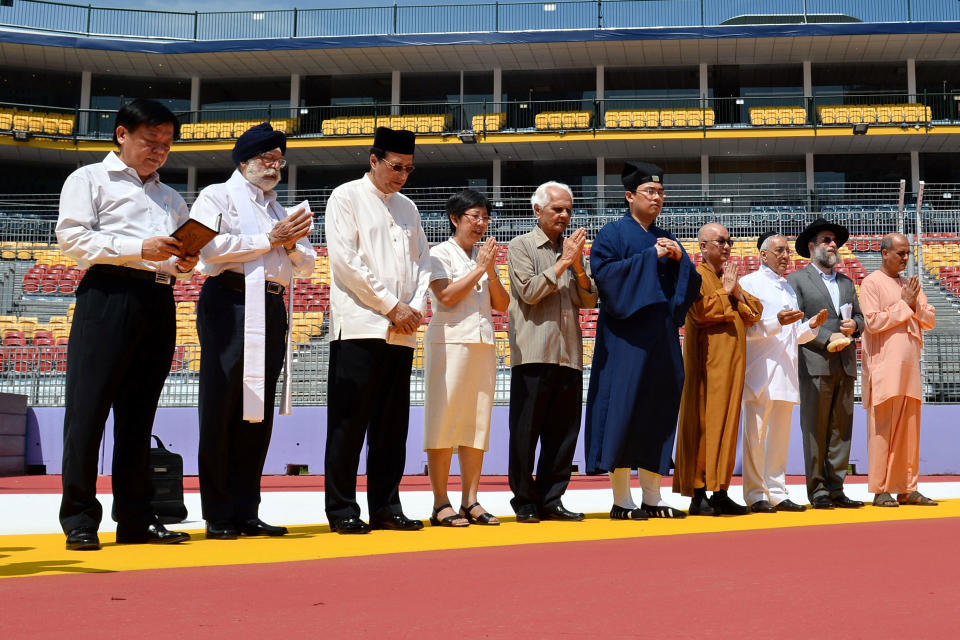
{"points": [[790, 505], [83, 539], [559, 512], [725, 505], [257, 527], [822, 502], [844, 502], [153, 533], [396, 522], [763, 506], [221, 530], [528, 515], [700, 504], [349, 525]]}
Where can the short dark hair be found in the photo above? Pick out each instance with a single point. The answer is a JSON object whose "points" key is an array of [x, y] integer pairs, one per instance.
{"points": [[142, 111], [461, 201], [377, 151]]}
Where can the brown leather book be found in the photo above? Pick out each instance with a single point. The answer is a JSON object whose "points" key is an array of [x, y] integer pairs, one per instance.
{"points": [[195, 235]]}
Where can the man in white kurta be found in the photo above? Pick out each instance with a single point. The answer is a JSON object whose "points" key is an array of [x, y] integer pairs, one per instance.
{"points": [[771, 386], [380, 272], [242, 325]]}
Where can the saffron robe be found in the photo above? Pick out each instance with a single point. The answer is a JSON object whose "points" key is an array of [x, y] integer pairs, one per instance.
{"points": [[714, 359], [892, 389], [637, 373]]}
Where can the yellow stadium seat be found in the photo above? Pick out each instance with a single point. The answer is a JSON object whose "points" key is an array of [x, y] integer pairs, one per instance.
{"points": [[367, 126], [35, 124], [20, 121], [326, 128], [666, 117], [6, 121], [353, 126]]}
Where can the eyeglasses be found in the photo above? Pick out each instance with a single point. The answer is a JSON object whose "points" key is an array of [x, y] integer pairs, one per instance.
{"points": [[723, 241], [651, 192], [475, 218], [279, 163], [405, 168]]}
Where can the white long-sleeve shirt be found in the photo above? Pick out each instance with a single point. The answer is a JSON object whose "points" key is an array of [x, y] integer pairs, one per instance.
{"points": [[379, 255], [771, 347], [231, 248], [107, 211]]}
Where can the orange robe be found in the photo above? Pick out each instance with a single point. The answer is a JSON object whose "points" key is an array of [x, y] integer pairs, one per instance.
{"points": [[714, 360], [892, 388]]}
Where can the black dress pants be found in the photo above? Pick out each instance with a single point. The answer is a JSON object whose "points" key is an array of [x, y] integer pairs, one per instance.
{"points": [[232, 450], [545, 405], [368, 395], [121, 346]]}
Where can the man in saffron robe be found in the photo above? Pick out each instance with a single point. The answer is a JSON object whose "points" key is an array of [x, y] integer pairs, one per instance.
{"points": [[896, 313], [714, 359], [646, 283]]}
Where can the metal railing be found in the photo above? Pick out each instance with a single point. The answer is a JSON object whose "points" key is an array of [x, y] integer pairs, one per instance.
{"points": [[923, 110], [867, 209], [487, 17]]}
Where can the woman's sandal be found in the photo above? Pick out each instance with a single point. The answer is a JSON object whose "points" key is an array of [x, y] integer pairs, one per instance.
{"points": [[884, 500], [449, 521], [483, 518], [916, 498]]}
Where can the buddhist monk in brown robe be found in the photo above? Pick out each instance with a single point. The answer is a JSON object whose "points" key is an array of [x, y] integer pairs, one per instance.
{"points": [[714, 360]]}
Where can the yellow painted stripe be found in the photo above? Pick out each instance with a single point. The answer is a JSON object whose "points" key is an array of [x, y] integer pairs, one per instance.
{"points": [[28, 555], [515, 138]]}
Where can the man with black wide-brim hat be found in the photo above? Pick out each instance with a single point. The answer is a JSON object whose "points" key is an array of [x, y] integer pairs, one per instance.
{"points": [[828, 363], [380, 272]]}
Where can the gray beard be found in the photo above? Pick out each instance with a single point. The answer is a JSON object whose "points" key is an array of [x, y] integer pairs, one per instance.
{"points": [[825, 259]]}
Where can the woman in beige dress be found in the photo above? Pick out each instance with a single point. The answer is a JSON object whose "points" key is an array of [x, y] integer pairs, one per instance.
{"points": [[460, 357]]}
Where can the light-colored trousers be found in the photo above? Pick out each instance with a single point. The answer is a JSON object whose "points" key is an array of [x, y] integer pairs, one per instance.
{"points": [[893, 445], [766, 438]]}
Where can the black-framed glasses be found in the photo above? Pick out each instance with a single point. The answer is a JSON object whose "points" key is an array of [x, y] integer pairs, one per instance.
{"points": [[405, 168]]}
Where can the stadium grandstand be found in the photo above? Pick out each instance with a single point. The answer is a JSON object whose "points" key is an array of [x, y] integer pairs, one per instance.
{"points": [[765, 115]]}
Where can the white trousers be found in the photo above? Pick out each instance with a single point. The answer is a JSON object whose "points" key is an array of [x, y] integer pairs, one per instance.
{"points": [[766, 438]]}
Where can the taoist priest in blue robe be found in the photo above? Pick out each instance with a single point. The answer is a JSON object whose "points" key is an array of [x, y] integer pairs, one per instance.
{"points": [[646, 283]]}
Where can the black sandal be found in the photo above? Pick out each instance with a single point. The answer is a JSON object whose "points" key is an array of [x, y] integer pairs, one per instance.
{"points": [[483, 518], [449, 520]]}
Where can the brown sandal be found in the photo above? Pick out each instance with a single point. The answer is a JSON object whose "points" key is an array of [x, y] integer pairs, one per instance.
{"points": [[916, 498], [884, 500]]}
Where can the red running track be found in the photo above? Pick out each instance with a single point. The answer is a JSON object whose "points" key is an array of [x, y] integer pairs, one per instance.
{"points": [[876, 580]]}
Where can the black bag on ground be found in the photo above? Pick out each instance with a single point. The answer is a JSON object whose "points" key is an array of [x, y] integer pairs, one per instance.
{"points": [[166, 472]]}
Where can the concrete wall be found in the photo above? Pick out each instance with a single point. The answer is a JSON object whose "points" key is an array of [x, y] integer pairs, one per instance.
{"points": [[13, 434], [300, 439]]}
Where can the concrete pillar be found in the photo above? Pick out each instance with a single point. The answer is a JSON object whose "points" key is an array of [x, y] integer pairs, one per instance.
{"points": [[191, 180], [600, 81], [914, 170], [496, 179], [395, 93], [912, 79], [705, 173], [294, 95], [497, 89], [704, 88], [292, 183], [807, 79], [808, 158], [195, 98], [86, 84]]}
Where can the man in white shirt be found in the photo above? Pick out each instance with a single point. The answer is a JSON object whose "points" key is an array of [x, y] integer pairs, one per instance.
{"points": [[116, 220], [380, 272], [771, 387], [242, 325]]}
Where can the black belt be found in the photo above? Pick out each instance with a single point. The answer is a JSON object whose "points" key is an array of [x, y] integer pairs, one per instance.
{"points": [[140, 274], [233, 281]]}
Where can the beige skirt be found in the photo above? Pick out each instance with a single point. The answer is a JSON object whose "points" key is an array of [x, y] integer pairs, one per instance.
{"points": [[460, 379]]}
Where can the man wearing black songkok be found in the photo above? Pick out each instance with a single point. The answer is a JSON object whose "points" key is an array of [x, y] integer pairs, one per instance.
{"points": [[380, 272]]}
